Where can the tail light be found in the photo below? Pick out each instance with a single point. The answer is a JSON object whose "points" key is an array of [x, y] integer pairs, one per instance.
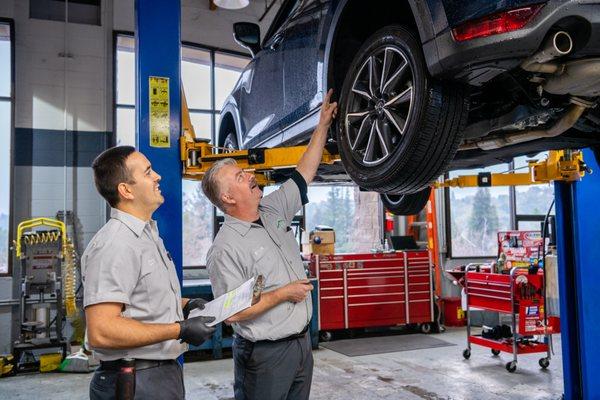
{"points": [[503, 22]]}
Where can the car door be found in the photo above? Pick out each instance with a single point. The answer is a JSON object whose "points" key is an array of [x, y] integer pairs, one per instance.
{"points": [[261, 99], [261, 96], [303, 74]]}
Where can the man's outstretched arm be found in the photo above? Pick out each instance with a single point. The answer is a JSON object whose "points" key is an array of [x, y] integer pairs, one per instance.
{"points": [[308, 164]]}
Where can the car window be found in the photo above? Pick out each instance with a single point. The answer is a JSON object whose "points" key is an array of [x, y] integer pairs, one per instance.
{"points": [[287, 9]]}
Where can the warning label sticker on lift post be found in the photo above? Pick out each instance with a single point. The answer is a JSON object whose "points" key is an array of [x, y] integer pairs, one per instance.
{"points": [[160, 116]]}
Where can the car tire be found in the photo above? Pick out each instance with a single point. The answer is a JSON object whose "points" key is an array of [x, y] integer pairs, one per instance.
{"points": [[230, 142], [414, 122], [406, 204]]}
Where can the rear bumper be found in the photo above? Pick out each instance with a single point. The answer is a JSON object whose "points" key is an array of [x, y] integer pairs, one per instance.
{"points": [[479, 60]]}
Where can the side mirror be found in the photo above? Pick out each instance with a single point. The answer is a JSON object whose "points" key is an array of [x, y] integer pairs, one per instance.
{"points": [[247, 35]]}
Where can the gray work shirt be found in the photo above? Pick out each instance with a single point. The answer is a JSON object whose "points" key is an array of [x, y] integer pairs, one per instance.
{"points": [[242, 250], [126, 262]]}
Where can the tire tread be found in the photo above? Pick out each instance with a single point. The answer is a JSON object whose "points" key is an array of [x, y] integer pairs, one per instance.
{"points": [[439, 123]]}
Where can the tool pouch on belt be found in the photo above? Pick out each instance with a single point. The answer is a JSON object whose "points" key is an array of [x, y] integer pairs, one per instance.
{"points": [[126, 380]]}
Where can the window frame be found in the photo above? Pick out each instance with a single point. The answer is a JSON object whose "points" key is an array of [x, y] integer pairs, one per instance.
{"points": [[448, 220], [381, 212], [278, 22], [515, 217], [11, 99], [213, 112], [67, 14], [113, 135]]}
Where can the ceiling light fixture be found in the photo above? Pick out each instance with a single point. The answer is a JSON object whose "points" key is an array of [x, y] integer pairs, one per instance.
{"points": [[231, 4]]}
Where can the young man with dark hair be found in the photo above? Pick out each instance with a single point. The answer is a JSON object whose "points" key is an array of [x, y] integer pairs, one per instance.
{"points": [[132, 297]]}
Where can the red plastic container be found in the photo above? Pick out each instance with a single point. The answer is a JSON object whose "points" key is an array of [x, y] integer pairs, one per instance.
{"points": [[454, 315]]}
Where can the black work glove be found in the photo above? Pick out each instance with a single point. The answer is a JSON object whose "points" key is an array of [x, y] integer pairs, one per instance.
{"points": [[195, 331], [192, 304]]}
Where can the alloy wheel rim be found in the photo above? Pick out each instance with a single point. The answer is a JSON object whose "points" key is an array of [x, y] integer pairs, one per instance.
{"points": [[379, 106], [393, 198]]}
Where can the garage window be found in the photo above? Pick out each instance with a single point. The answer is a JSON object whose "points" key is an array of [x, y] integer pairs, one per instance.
{"points": [[6, 68], [476, 215], [354, 215], [208, 75], [532, 202], [125, 91], [76, 11]]}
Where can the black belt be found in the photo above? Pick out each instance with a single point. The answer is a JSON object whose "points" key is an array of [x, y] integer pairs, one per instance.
{"points": [[285, 339], [139, 364]]}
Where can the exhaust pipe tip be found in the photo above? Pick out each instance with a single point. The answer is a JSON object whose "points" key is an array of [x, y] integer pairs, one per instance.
{"points": [[562, 43], [557, 45]]}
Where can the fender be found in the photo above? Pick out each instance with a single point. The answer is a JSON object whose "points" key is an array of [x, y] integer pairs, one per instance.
{"points": [[421, 11], [231, 108]]}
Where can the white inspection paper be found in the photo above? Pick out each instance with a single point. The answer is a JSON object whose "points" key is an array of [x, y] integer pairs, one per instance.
{"points": [[228, 304]]}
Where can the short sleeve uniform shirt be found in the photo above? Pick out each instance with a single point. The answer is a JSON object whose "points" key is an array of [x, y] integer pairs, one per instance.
{"points": [[126, 262]]}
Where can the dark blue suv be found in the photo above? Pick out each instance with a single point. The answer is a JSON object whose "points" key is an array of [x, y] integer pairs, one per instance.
{"points": [[423, 86]]}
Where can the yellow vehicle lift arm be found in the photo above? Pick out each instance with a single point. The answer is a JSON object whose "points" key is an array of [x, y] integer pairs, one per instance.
{"points": [[561, 165], [198, 155]]}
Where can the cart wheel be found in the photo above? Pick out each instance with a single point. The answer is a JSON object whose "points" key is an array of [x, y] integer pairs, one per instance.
{"points": [[511, 366], [425, 328], [467, 354], [495, 352], [325, 336], [544, 362]]}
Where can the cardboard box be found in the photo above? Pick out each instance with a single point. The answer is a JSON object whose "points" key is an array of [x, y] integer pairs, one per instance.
{"points": [[324, 237], [321, 249], [321, 242]]}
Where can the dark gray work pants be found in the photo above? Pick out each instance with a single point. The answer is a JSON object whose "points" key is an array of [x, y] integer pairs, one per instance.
{"points": [[160, 383], [272, 371]]}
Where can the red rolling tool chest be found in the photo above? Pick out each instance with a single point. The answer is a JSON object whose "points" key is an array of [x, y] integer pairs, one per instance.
{"points": [[374, 289], [520, 294]]}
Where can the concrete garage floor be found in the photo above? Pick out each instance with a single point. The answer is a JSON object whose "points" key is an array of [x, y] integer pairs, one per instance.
{"points": [[429, 374]]}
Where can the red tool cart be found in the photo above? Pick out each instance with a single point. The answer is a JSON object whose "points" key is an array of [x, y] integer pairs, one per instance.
{"points": [[521, 294], [374, 290]]}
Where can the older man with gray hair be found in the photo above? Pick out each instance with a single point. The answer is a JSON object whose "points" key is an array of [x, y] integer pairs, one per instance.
{"points": [[271, 349]]}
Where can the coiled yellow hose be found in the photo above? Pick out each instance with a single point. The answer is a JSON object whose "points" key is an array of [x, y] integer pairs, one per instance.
{"points": [[27, 235], [41, 238], [69, 278]]}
